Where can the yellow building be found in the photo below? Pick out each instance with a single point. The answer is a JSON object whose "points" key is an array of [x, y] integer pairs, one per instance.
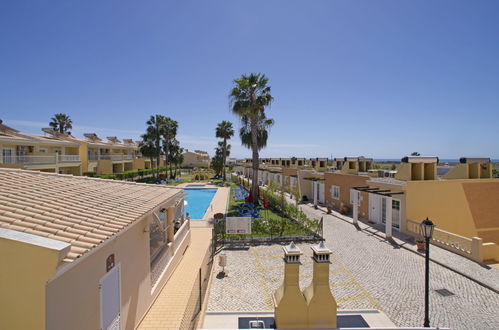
{"points": [[111, 156], [84, 253], [38, 152], [462, 203], [198, 158], [65, 154]]}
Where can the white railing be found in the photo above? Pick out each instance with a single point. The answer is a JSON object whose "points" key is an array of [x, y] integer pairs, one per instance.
{"points": [[111, 157], [468, 247], [181, 233], [28, 160], [69, 158]]}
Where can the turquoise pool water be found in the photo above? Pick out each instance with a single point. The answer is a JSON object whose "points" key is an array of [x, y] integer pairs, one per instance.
{"points": [[195, 185], [198, 201]]}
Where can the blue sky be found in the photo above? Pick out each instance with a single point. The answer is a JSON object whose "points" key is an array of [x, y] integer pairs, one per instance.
{"points": [[373, 78]]}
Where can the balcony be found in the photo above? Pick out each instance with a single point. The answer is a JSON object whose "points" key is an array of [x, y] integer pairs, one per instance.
{"points": [[69, 158], [39, 160], [111, 157]]}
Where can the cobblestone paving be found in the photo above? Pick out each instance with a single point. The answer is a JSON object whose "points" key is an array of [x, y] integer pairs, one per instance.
{"points": [[366, 272]]}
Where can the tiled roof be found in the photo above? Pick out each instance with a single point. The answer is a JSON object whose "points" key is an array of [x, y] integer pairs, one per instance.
{"points": [[78, 210]]}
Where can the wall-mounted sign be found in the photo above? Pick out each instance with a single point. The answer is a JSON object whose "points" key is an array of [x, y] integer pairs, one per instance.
{"points": [[110, 262], [238, 225]]}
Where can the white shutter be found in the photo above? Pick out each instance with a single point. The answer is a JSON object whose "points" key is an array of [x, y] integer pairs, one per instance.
{"points": [[110, 299]]}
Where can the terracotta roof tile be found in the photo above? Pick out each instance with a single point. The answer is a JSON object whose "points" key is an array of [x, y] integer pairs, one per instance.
{"points": [[78, 210]]}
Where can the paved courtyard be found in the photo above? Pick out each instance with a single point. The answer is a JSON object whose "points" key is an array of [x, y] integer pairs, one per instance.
{"points": [[366, 272]]}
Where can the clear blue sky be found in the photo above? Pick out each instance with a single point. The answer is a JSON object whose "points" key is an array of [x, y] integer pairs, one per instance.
{"points": [[373, 78]]}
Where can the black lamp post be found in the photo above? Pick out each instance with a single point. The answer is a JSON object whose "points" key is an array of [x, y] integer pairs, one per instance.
{"points": [[427, 231]]}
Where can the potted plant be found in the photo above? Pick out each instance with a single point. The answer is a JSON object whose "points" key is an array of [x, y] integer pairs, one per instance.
{"points": [[421, 244], [329, 208]]}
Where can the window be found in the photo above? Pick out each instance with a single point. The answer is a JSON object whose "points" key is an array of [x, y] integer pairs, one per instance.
{"points": [[335, 192], [42, 150], [157, 236]]}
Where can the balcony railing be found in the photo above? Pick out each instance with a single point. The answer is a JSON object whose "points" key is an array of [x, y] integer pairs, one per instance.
{"points": [[111, 157], [468, 247], [69, 158], [38, 160]]}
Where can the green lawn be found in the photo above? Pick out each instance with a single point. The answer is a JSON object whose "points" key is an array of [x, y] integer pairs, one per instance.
{"points": [[269, 223]]}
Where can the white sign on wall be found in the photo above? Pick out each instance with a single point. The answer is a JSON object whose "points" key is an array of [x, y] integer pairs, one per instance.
{"points": [[238, 225]]}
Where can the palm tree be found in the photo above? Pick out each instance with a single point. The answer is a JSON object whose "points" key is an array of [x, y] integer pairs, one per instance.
{"points": [[262, 132], [174, 153], [224, 131], [61, 123], [147, 147], [155, 131], [168, 134], [248, 99]]}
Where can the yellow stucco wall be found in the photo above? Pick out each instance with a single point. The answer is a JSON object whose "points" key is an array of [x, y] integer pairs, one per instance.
{"points": [[73, 298], [83, 151], [24, 272], [104, 166], [444, 202], [139, 164]]}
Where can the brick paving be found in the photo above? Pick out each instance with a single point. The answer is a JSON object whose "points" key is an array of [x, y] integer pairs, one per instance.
{"points": [[366, 272], [168, 309]]}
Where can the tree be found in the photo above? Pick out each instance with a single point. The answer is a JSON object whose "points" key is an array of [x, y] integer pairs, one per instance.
{"points": [[262, 132], [176, 157], [154, 131], [217, 161], [415, 153], [61, 123], [168, 133], [147, 147], [248, 99], [224, 131]]}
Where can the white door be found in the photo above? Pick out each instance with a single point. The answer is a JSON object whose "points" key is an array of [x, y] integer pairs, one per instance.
{"points": [[321, 193], [110, 299], [374, 208], [315, 190], [396, 210]]}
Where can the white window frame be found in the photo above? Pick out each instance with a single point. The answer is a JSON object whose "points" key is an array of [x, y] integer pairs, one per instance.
{"points": [[335, 192]]}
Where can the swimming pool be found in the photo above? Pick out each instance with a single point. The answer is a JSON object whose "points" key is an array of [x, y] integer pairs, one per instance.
{"points": [[195, 185], [198, 201]]}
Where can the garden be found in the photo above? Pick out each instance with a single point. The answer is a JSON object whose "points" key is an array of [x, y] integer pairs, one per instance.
{"points": [[273, 217]]}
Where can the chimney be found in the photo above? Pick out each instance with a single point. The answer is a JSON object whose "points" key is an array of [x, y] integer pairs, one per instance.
{"points": [[471, 168], [417, 168], [321, 305], [290, 307]]}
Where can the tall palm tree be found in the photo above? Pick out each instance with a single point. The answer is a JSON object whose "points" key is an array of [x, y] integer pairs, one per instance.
{"points": [[224, 131], [262, 132], [248, 99], [168, 134], [61, 123], [147, 147], [155, 129]]}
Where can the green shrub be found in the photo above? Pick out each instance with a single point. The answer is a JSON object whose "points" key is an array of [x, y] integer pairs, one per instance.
{"points": [[90, 174]]}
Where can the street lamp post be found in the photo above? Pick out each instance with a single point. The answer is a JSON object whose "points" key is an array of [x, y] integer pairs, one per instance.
{"points": [[427, 231]]}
